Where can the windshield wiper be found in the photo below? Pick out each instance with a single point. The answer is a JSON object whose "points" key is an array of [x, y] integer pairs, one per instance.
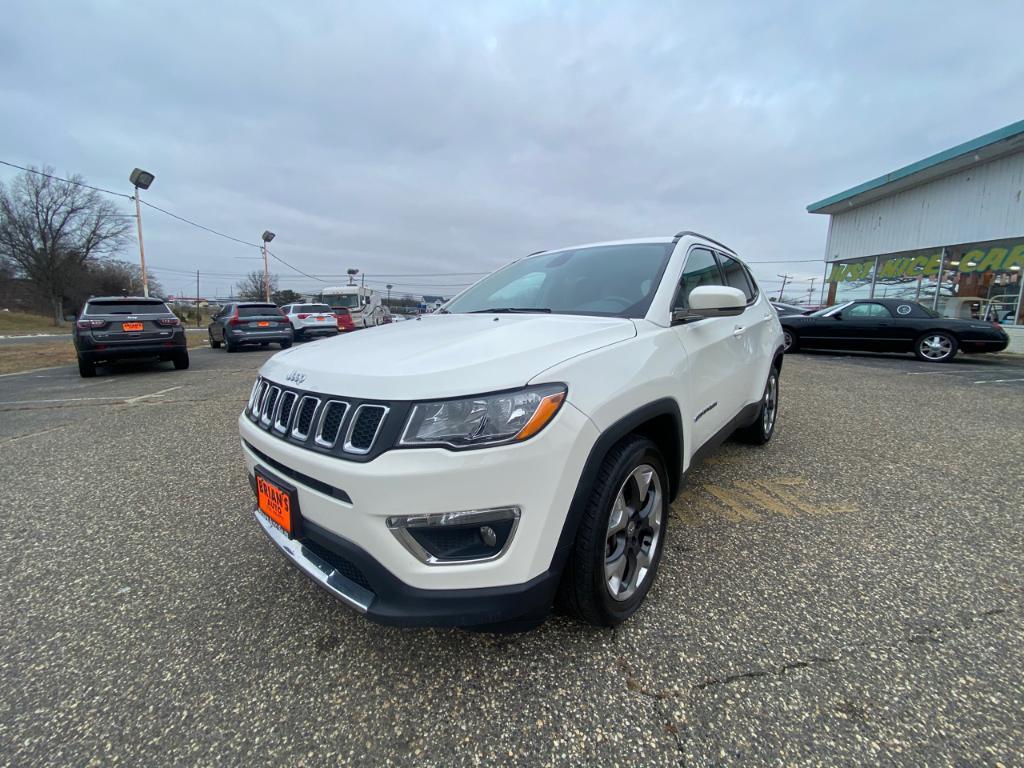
{"points": [[512, 310]]}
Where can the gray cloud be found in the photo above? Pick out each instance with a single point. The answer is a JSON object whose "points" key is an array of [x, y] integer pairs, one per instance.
{"points": [[411, 138]]}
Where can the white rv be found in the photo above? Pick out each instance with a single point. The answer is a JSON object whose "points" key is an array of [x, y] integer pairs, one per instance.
{"points": [[363, 304]]}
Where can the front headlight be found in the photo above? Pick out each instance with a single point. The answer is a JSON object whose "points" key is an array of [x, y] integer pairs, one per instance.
{"points": [[473, 422]]}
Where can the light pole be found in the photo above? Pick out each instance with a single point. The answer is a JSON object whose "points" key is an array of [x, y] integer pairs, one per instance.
{"points": [[267, 237], [141, 180], [389, 295]]}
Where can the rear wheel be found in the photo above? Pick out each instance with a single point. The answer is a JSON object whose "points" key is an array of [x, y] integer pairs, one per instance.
{"points": [[299, 335], [935, 347], [761, 431], [285, 344], [789, 340], [231, 346], [86, 369], [181, 361], [621, 536]]}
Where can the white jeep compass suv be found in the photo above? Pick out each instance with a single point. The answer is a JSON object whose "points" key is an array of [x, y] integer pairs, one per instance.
{"points": [[522, 445]]}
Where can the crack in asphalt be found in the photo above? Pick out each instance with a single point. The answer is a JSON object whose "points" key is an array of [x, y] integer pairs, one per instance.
{"points": [[684, 734]]}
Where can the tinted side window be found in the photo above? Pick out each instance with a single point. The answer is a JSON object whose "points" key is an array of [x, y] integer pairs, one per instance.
{"points": [[736, 276], [870, 311], [701, 269]]}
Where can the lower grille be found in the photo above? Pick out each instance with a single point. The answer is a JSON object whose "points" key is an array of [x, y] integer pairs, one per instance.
{"points": [[345, 567]]}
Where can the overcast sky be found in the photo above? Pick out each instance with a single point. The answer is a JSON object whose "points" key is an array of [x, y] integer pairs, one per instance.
{"points": [[408, 138]]}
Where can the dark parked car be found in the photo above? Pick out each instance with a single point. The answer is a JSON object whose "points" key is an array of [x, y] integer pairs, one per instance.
{"points": [[891, 325], [112, 328], [250, 322]]}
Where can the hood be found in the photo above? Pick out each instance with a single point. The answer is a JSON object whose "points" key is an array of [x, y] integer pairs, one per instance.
{"points": [[440, 356]]}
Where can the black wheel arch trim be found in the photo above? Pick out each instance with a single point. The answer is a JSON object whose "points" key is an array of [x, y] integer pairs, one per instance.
{"points": [[663, 409]]}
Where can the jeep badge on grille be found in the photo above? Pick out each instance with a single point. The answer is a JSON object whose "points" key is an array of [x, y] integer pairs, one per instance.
{"points": [[296, 377]]}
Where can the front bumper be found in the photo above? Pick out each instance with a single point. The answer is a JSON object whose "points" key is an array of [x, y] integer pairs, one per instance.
{"points": [[984, 345], [345, 504], [352, 576]]}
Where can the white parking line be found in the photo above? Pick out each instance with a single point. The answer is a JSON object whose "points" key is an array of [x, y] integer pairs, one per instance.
{"points": [[113, 398], [152, 394], [996, 381], [58, 400]]}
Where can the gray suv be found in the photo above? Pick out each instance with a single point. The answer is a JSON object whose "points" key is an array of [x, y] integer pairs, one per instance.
{"points": [[250, 322], [113, 328]]}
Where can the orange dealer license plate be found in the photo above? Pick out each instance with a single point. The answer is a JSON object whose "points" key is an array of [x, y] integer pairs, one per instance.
{"points": [[131, 326], [263, 323], [278, 501]]}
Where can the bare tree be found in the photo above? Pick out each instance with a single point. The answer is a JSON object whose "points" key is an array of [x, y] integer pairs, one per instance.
{"points": [[113, 277], [50, 230], [251, 287]]}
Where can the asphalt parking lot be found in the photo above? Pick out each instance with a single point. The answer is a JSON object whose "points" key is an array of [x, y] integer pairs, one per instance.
{"points": [[850, 594]]}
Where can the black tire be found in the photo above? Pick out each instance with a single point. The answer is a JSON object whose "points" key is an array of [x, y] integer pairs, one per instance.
{"points": [[214, 344], [181, 361], [585, 591], [790, 341], [230, 345], [936, 346], [285, 344], [86, 369], [762, 429], [300, 335]]}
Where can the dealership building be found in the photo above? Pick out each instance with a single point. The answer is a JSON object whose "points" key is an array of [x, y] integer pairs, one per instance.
{"points": [[947, 231]]}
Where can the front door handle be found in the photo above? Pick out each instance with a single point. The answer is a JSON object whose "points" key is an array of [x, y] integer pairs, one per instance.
{"points": [[738, 331]]}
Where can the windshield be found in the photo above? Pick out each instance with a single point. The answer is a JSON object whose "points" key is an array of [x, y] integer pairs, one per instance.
{"points": [[829, 310], [605, 280], [346, 300]]}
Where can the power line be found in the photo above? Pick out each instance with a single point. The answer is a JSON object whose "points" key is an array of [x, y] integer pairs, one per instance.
{"points": [[66, 181], [200, 226]]}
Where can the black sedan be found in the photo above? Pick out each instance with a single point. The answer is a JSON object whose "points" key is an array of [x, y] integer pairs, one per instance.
{"points": [[891, 325]]}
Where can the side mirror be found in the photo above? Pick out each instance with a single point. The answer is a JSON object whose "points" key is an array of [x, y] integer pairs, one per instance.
{"points": [[837, 316], [711, 301]]}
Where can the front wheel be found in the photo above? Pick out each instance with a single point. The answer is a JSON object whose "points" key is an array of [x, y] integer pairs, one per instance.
{"points": [[789, 340], [762, 429], [935, 347], [620, 537]]}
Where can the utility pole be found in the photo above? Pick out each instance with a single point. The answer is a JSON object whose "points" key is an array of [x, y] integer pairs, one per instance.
{"points": [[785, 279], [141, 180], [810, 293], [267, 236], [389, 295], [197, 298]]}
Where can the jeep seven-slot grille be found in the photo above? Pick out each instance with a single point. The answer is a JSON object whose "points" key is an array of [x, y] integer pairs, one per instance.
{"points": [[330, 423], [364, 428], [324, 424]]}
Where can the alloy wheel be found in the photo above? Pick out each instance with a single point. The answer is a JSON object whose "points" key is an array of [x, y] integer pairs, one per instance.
{"points": [[936, 346], [634, 532], [787, 341], [771, 404]]}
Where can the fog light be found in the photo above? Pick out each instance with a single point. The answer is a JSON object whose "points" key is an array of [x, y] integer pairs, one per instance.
{"points": [[457, 537]]}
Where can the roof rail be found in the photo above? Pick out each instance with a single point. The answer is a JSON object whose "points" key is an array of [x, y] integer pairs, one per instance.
{"points": [[685, 232], [535, 253]]}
